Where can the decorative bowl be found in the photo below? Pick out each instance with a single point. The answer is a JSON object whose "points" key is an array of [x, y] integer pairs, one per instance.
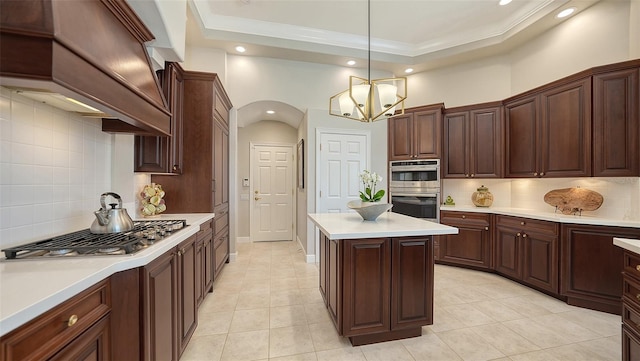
{"points": [[369, 211]]}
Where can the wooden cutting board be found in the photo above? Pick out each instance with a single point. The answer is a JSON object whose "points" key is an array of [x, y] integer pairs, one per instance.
{"points": [[574, 200]]}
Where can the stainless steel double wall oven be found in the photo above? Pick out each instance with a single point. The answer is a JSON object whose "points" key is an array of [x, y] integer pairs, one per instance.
{"points": [[414, 188]]}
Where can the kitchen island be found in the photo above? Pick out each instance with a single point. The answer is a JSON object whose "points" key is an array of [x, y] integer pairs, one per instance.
{"points": [[376, 278]]}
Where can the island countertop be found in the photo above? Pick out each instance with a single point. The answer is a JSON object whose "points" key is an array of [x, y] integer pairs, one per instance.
{"points": [[389, 224]]}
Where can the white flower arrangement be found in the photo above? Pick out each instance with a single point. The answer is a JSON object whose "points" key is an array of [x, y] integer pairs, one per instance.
{"points": [[152, 202], [369, 180]]}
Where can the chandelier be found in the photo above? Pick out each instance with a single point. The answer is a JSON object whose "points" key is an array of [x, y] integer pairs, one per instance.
{"points": [[368, 99]]}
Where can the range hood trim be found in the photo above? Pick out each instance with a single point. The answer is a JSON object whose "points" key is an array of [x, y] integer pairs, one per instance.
{"points": [[45, 54]]}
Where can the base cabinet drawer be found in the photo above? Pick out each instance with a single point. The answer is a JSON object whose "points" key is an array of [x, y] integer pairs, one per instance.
{"points": [[50, 333], [630, 344]]}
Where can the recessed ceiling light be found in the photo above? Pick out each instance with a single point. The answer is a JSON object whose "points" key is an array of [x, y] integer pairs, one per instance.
{"points": [[504, 2], [408, 70], [566, 12], [351, 62], [271, 112], [240, 49]]}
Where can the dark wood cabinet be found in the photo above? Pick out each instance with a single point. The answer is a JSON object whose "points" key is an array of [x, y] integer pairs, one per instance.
{"points": [[591, 273], [378, 289], [527, 250], [79, 328], [203, 185], [164, 154], [472, 146], [631, 307], [170, 312], [160, 317], [548, 131], [416, 134], [616, 115], [187, 289], [472, 246]]}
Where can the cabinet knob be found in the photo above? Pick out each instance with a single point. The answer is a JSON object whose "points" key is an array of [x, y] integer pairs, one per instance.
{"points": [[522, 223], [535, 174], [541, 174], [518, 234], [524, 235], [638, 268], [175, 167], [638, 297], [463, 216], [472, 175], [486, 228], [72, 320]]}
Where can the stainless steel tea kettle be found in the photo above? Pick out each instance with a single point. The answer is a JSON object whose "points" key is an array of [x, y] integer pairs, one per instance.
{"points": [[112, 220]]}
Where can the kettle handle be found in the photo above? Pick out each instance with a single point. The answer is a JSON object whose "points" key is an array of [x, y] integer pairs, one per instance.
{"points": [[114, 195]]}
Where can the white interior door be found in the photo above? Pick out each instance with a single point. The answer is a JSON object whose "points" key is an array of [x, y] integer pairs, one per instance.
{"points": [[343, 155], [271, 193]]}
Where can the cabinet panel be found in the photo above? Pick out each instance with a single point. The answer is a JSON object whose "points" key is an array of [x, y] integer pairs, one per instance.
{"points": [[334, 284], [566, 130], [615, 123], [367, 286], [412, 282], [630, 344], [427, 133], [521, 137], [187, 300], [221, 251], [324, 245], [93, 344], [456, 143], [591, 272], [472, 245], [49, 333], [540, 261], [416, 134], [508, 252], [161, 303], [400, 137]]}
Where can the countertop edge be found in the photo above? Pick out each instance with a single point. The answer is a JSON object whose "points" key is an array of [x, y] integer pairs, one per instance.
{"points": [[351, 226], [97, 270], [545, 216]]}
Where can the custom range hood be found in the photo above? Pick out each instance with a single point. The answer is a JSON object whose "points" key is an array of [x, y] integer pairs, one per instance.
{"points": [[90, 51]]}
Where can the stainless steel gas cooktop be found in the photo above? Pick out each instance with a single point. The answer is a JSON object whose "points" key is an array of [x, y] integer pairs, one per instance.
{"points": [[85, 243]]}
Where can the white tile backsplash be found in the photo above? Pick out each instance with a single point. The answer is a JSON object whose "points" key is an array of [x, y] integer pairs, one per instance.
{"points": [[53, 167], [621, 194]]}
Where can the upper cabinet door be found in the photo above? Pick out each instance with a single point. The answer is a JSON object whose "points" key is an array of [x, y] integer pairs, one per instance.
{"points": [[615, 123], [566, 130], [427, 128], [521, 138], [456, 145], [485, 143], [400, 137], [416, 134]]}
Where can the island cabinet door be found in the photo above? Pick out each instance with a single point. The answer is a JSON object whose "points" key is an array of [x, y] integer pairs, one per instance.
{"points": [[334, 282], [367, 286], [412, 282], [324, 244]]}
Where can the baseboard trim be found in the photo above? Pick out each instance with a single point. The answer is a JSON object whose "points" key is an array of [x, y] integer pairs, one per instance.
{"points": [[309, 258], [243, 239], [233, 256]]}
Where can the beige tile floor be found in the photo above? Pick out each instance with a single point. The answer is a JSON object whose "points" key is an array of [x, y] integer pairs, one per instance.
{"points": [[266, 306]]}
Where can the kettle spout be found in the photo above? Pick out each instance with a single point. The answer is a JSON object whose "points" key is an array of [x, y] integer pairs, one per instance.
{"points": [[102, 216]]}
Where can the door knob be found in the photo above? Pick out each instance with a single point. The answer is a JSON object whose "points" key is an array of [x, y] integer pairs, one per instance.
{"points": [[257, 198]]}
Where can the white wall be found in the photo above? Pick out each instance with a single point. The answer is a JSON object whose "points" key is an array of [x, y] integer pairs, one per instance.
{"points": [[265, 131], [597, 36]]}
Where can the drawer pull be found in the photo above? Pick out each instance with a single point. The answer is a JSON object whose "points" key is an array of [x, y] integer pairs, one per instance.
{"points": [[638, 267], [74, 318]]}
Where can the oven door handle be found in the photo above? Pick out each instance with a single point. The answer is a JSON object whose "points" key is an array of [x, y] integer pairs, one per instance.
{"points": [[414, 195]]}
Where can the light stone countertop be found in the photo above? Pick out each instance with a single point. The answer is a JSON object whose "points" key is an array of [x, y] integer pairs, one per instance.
{"points": [[632, 245], [30, 287], [545, 216], [389, 224]]}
